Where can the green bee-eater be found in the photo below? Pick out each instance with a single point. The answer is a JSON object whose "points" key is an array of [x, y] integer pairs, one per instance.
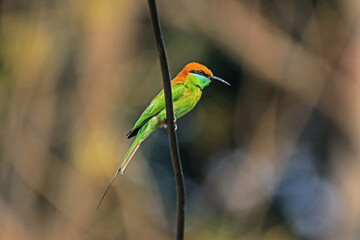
{"points": [[187, 88]]}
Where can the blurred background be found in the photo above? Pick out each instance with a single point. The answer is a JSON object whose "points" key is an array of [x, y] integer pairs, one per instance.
{"points": [[276, 156]]}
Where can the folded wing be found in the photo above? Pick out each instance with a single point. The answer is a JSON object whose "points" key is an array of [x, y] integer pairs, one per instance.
{"points": [[156, 106]]}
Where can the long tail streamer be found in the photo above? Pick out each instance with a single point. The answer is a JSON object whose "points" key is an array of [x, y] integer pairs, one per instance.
{"points": [[134, 147]]}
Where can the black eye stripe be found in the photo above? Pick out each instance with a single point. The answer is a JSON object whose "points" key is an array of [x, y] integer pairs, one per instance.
{"points": [[198, 72]]}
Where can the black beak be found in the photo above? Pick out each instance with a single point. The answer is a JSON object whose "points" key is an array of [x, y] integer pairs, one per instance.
{"points": [[219, 79]]}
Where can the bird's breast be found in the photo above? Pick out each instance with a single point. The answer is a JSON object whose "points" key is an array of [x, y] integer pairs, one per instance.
{"points": [[187, 101], [193, 96]]}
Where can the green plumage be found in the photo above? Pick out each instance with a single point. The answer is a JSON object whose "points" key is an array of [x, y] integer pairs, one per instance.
{"points": [[185, 96], [156, 105], [187, 88]]}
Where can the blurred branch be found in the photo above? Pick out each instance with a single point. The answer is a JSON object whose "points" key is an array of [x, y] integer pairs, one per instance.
{"points": [[170, 122]]}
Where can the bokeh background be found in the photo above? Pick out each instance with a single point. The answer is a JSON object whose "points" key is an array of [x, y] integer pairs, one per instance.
{"points": [[274, 157]]}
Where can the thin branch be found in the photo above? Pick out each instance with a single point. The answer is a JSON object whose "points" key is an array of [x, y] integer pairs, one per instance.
{"points": [[170, 122]]}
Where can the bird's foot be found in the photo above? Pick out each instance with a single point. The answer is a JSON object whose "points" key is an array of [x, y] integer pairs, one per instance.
{"points": [[175, 125]]}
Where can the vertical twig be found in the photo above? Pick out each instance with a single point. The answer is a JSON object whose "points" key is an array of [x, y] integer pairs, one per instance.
{"points": [[170, 122]]}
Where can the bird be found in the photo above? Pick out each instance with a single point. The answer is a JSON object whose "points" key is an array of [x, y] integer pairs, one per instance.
{"points": [[187, 88]]}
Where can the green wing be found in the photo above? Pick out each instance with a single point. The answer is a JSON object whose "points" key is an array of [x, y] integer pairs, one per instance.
{"points": [[156, 106]]}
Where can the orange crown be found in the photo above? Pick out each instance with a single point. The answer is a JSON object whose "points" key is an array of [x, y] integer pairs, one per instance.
{"points": [[180, 78]]}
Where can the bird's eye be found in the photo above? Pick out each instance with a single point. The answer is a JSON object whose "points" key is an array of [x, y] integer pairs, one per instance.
{"points": [[201, 72]]}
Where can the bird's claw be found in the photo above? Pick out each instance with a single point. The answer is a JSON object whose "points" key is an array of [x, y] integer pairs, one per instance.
{"points": [[175, 125]]}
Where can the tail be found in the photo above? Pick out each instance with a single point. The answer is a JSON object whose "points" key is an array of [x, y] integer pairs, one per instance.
{"points": [[134, 147]]}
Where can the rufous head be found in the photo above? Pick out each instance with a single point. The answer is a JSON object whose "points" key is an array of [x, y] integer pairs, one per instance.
{"points": [[196, 68]]}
